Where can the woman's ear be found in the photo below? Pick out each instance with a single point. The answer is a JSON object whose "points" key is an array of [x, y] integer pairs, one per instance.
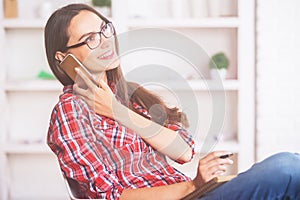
{"points": [[59, 56]]}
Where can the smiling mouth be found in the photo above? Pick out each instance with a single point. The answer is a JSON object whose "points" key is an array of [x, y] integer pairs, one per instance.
{"points": [[108, 55]]}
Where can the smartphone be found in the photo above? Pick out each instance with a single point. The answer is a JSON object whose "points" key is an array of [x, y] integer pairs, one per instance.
{"points": [[70, 62]]}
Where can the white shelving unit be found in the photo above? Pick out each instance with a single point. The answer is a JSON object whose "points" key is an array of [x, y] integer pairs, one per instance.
{"points": [[33, 85], [49, 85], [26, 149], [27, 166], [26, 102], [232, 34], [23, 23], [228, 22]]}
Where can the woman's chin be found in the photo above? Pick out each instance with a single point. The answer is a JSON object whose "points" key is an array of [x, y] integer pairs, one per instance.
{"points": [[113, 65]]}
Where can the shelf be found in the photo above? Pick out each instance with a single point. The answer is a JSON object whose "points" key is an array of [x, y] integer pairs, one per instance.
{"points": [[23, 23], [199, 85], [33, 85], [36, 148], [195, 85], [224, 22]]}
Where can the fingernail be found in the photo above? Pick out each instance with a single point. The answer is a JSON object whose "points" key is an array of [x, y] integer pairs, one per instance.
{"points": [[76, 69]]}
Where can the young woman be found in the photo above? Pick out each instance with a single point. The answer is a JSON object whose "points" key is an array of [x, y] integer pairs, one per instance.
{"points": [[112, 138]]}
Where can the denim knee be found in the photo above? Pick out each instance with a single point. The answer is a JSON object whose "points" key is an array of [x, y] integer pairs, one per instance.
{"points": [[283, 165], [285, 159]]}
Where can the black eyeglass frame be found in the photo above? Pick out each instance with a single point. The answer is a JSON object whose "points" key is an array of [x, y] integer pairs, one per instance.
{"points": [[100, 33]]}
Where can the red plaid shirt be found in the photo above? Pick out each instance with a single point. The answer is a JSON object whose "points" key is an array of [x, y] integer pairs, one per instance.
{"points": [[104, 155]]}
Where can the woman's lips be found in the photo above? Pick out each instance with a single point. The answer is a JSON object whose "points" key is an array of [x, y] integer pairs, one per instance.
{"points": [[107, 55]]}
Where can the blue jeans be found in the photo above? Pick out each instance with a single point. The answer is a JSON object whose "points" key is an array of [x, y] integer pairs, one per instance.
{"points": [[277, 177]]}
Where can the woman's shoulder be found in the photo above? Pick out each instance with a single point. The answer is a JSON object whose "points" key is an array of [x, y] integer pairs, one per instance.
{"points": [[70, 102]]}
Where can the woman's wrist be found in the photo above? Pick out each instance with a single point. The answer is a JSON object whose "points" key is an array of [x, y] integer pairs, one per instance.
{"points": [[191, 187], [117, 110], [130, 119], [120, 112]]}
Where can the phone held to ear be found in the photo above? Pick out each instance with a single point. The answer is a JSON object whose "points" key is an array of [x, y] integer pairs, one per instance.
{"points": [[69, 63]]}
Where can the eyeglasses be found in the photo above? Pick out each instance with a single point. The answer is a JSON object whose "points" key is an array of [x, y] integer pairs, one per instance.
{"points": [[94, 39]]}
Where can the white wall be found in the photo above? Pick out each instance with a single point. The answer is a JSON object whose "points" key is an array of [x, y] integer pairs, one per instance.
{"points": [[278, 82]]}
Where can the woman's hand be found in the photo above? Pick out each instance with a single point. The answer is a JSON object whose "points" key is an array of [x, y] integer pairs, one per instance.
{"points": [[100, 98], [211, 166]]}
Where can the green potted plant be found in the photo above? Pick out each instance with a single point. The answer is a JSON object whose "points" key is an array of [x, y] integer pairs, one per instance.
{"points": [[219, 64], [103, 6]]}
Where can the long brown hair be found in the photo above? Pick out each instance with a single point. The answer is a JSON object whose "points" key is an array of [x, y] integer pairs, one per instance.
{"points": [[56, 39]]}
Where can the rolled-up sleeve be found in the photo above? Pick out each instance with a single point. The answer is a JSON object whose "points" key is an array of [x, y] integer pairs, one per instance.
{"points": [[185, 135], [71, 138]]}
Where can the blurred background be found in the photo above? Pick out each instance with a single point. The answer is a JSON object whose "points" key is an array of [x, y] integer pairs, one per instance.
{"points": [[252, 43]]}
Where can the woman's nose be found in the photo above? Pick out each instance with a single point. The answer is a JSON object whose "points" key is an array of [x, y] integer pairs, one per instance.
{"points": [[105, 43]]}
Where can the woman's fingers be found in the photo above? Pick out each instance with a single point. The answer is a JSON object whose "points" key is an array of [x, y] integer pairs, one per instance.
{"points": [[218, 173], [104, 85], [80, 91], [219, 161], [215, 168], [213, 159], [85, 78], [98, 96], [86, 93]]}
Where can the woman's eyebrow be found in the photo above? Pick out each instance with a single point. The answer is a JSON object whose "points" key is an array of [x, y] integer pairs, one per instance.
{"points": [[86, 34]]}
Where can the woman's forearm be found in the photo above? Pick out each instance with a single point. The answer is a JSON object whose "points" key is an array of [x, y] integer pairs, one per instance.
{"points": [[159, 137], [174, 191]]}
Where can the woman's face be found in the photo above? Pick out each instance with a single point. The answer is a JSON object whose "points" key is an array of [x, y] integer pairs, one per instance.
{"points": [[80, 28]]}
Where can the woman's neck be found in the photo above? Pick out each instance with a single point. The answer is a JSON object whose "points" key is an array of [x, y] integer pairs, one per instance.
{"points": [[100, 76]]}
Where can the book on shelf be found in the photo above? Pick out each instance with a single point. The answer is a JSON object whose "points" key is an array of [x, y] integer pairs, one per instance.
{"points": [[10, 8], [209, 186]]}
